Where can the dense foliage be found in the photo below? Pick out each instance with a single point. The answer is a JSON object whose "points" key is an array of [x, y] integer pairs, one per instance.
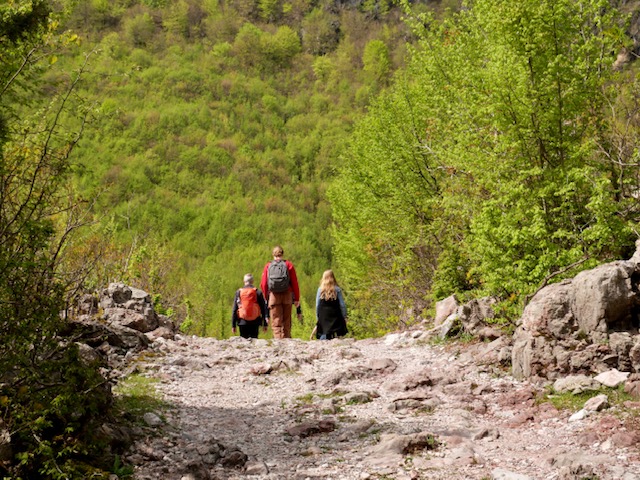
{"points": [[495, 164], [49, 399], [500, 157], [221, 127]]}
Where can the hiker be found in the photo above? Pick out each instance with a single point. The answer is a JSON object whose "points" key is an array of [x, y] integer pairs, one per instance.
{"points": [[249, 310], [280, 286], [331, 310]]}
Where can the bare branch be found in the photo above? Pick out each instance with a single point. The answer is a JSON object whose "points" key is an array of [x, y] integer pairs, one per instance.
{"points": [[545, 282]]}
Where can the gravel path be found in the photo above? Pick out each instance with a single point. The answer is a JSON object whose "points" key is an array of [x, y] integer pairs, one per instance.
{"points": [[391, 408]]}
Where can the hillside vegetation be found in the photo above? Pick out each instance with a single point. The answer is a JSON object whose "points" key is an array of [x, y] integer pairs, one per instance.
{"points": [[502, 159], [217, 128], [417, 150], [170, 144]]}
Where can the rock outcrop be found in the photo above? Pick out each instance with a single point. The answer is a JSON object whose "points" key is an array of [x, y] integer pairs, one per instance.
{"points": [[473, 317], [585, 325], [117, 322]]}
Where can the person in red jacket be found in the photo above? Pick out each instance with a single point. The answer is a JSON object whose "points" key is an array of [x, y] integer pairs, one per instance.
{"points": [[280, 286]]}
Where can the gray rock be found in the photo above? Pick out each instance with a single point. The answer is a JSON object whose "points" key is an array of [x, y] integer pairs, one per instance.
{"points": [[359, 397], [597, 403], [444, 308], [575, 384], [612, 378], [392, 447], [603, 296], [579, 415], [256, 468], [580, 325], [152, 419], [450, 327], [474, 314]]}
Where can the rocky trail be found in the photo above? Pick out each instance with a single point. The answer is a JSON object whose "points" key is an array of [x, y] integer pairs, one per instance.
{"points": [[391, 408]]}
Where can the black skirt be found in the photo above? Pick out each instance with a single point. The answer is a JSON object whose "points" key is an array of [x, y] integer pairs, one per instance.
{"points": [[331, 323]]}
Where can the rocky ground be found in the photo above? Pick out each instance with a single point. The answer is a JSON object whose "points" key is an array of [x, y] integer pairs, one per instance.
{"points": [[390, 408]]}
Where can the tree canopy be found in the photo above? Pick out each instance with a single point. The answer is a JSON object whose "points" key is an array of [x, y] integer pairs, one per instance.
{"points": [[488, 167]]}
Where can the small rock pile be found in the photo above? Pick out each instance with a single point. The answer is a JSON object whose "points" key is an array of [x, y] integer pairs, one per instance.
{"points": [[117, 324]]}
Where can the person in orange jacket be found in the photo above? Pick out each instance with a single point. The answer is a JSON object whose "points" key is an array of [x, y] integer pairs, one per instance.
{"points": [[280, 286], [249, 310]]}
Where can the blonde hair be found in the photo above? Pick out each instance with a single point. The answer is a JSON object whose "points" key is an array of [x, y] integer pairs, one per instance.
{"points": [[277, 251], [328, 286]]}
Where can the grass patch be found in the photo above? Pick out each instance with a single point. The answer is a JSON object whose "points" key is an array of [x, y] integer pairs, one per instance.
{"points": [[121, 470], [574, 402], [306, 399], [359, 401], [137, 395], [336, 409], [425, 410]]}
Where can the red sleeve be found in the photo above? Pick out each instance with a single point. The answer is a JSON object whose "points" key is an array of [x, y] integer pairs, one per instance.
{"points": [[294, 281], [264, 284]]}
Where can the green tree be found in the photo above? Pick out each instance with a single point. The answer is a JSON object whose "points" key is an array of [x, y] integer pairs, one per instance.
{"points": [[176, 19], [49, 399], [139, 30], [270, 10], [376, 61], [485, 164], [248, 45], [320, 32], [282, 46]]}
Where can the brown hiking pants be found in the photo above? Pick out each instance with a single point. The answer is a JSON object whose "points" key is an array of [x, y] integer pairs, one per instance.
{"points": [[280, 314]]}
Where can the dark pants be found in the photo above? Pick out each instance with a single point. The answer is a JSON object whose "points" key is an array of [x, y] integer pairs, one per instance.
{"points": [[249, 330]]}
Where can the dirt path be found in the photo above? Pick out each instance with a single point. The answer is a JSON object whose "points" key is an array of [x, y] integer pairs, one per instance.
{"points": [[392, 408]]}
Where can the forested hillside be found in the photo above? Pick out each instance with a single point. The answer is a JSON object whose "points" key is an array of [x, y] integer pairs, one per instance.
{"points": [[418, 150], [215, 130]]}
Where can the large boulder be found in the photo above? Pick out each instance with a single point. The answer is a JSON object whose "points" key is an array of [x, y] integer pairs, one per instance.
{"points": [[129, 307], [603, 298], [474, 317], [444, 308], [585, 325]]}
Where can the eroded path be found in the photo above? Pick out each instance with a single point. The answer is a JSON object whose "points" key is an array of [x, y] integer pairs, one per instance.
{"points": [[392, 408]]}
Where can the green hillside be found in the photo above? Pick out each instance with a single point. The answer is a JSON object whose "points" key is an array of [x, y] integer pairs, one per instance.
{"points": [[417, 150], [216, 128]]}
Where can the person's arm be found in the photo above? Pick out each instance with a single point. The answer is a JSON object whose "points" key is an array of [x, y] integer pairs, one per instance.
{"points": [[264, 281], [234, 312], [313, 334], [343, 305], [264, 312], [317, 304], [294, 283]]}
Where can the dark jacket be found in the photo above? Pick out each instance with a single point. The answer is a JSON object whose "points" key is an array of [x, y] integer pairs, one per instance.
{"points": [[331, 316], [235, 320]]}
